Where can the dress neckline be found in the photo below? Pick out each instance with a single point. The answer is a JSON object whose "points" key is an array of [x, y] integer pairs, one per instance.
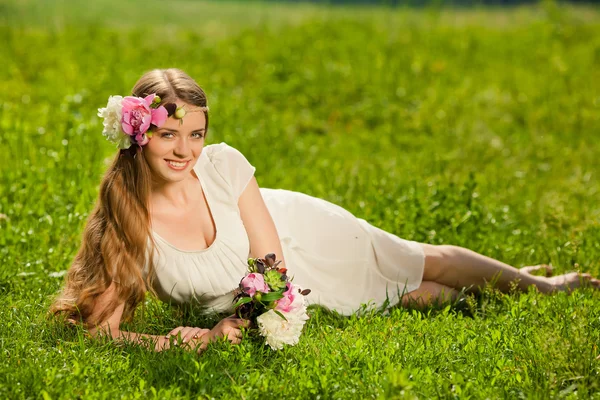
{"points": [[210, 213]]}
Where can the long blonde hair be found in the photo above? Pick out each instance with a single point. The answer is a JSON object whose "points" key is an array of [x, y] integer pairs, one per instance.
{"points": [[117, 243]]}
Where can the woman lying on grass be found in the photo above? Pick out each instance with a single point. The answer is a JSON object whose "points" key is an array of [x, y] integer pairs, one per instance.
{"points": [[180, 219]]}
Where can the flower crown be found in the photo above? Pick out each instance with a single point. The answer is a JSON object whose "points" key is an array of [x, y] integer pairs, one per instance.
{"points": [[128, 119]]}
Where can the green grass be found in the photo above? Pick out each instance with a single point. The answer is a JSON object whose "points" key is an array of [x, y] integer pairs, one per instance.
{"points": [[469, 127]]}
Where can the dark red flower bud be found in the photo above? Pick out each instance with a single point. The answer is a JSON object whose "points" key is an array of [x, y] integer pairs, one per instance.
{"points": [[270, 259], [171, 107], [260, 266]]}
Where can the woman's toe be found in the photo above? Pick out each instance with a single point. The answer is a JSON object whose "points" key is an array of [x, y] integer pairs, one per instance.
{"points": [[589, 280]]}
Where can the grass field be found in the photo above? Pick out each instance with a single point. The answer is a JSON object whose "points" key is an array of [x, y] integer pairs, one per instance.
{"points": [[477, 128]]}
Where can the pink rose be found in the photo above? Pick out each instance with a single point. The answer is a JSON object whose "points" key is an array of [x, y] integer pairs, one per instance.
{"points": [[137, 116], [286, 304], [253, 283]]}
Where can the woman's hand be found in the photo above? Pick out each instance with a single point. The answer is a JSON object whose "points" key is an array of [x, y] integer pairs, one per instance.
{"points": [[230, 328], [186, 334]]}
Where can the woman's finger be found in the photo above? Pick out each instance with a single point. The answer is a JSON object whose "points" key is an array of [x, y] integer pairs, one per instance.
{"points": [[234, 335], [188, 334], [244, 323], [183, 333], [174, 332], [193, 334], [202, 332], [239, 323]]}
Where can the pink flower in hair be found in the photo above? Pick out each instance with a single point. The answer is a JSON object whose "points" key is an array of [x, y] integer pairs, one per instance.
{"points": [[137, 115], [127, 120], [142, 139]]}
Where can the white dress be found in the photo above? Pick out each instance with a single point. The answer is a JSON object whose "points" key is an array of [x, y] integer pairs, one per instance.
{"points": [[345, 261]]}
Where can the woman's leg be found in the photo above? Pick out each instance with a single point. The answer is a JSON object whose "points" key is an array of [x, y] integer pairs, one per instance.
{"points": [[429, 293], [458, 267]]}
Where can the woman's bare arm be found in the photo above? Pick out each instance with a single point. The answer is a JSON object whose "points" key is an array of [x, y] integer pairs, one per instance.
{"points": [[259, 224], [111, 327]]}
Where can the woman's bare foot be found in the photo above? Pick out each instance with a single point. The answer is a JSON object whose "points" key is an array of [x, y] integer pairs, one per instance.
{"points": [[573, 280], [565, 282]]}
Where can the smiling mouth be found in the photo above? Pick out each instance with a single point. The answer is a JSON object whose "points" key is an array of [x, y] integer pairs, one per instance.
{"points": [[177, 164]]}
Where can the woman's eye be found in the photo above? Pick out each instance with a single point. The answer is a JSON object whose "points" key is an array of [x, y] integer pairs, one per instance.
{"points": [[166, 134], [198, 135]]}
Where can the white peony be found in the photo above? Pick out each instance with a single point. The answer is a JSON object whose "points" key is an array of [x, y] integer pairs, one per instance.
{"points": [[112, 114], [277, 331]]}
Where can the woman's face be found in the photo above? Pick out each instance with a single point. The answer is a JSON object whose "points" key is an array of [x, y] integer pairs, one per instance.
{"points": [[175, 147]]}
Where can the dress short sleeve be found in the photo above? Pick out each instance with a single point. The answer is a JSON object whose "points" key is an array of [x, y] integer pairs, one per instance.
{"points": [[233, 167]]}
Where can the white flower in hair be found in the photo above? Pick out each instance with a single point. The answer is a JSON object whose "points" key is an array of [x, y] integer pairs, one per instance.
{"points": [[113, 114]]}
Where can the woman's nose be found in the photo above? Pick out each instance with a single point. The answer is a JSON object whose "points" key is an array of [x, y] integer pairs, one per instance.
{"points": [[182, 148]]}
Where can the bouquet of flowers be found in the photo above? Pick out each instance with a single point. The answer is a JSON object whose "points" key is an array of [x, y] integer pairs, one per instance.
{"points": [[268, 299]]}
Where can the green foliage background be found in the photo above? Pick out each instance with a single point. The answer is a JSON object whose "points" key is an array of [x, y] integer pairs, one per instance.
{"points": [[469, 127]]}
